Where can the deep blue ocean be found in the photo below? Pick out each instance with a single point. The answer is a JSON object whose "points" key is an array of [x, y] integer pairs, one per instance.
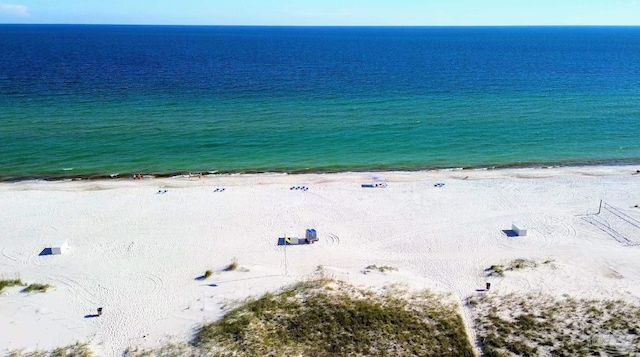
{"points": [[83, 101]]}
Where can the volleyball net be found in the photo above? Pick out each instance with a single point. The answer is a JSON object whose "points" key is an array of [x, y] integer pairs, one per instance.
{"points": [[616, 223]]}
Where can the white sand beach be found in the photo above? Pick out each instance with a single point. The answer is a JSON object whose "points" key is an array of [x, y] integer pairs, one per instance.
{"points": [[137, 253]]}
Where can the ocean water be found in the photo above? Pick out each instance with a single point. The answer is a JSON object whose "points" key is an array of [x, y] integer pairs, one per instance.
{"points": [[97, 100]]}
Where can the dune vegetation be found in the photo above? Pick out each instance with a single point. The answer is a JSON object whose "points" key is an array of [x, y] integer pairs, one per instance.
{"points": [[325, 317], [538, 325]]}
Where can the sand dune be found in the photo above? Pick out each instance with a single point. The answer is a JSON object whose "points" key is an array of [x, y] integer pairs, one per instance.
{"points": [[138, 253]]}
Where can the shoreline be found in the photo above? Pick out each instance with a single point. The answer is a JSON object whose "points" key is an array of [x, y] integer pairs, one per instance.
{"points": [[169, 174], [138, 253]]}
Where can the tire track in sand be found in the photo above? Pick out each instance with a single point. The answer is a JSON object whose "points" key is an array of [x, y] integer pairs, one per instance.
{"points": [[13, 256]]}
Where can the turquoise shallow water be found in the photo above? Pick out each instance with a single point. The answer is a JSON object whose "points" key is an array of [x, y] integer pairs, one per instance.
{"points": [[91, 101]]}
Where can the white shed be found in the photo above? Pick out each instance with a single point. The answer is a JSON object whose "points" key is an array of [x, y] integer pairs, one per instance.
{"points": [[519, 228], [60, 247]]}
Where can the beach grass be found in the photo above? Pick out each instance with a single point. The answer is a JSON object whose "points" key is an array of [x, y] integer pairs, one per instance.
{"points": [[516, 264], [37, 288], [382, 269], [536, 325], [326, 317], [232, 266], [207, 274], [7, 283], [75, 350]]}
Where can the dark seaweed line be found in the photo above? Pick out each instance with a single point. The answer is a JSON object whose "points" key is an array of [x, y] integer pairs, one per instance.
{"points": [[319, 170]]}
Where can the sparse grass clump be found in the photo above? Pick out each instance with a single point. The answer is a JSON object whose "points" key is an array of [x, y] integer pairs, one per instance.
{"points": [[324, 317], [495, 270], [9, 283], [381, 269], [75, 350], [41, 288], [544, 326], [517, 264], [232, 266]]}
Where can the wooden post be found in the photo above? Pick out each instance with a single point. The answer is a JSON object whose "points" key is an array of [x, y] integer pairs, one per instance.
{"points": [[286, 268]]}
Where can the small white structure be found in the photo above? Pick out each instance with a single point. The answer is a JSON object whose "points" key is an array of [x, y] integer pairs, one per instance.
{"points": [[60, 247], [379, 182], [519, 229]]}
